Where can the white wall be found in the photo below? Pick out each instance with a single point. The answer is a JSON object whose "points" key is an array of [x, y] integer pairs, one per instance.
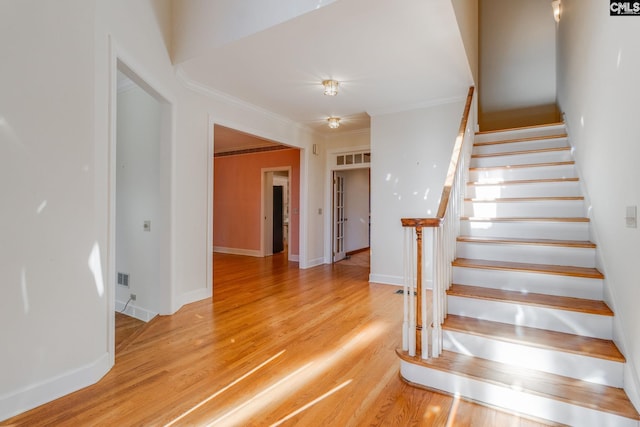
{"points": [[344, 141], [138, 199], [467, 18], [410, 156], [517, 63], [55, 144], [356, 200], [598, 66], [53, 294]]}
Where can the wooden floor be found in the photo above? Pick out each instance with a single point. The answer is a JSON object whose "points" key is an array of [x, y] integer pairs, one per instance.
{"points": [[277, 346], [127, 328]]}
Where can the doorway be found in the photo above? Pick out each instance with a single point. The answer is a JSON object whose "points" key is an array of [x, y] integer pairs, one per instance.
{"points": [[339, 252], [244, 172], [351, 208], [140, 199], [275, 211]]}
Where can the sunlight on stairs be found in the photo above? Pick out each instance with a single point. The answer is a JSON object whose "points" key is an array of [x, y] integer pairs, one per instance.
{"points": [[527, 329]]}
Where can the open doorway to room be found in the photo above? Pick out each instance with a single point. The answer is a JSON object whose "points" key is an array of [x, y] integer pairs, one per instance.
{"points": [[351, 207], [275, 211], [249, 173], [140, 197]]}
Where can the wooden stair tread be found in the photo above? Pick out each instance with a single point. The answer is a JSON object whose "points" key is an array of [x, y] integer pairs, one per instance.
{"points": [[525, 219], [580, 393], [525, 199], [533, 337], [517, 153], [528, 165], [578, 305], [484, 132], [524, 139], [524, 181], [516, 241], [560, 270]]}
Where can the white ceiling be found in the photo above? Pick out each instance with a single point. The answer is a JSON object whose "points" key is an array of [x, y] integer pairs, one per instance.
{"points": [[388, 56]]}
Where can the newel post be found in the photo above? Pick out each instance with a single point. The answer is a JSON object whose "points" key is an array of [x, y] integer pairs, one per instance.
{"points": [[419, 314]]}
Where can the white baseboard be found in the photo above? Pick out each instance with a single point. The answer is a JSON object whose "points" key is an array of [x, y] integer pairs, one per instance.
{"points": [[135, 311], [34, 395], [294, 258], [237, 251], [193, 296], [312, 263], [386, 280]]}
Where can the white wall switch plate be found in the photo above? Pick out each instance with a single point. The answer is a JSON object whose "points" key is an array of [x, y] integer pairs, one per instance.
{"points": [[632, 217]]}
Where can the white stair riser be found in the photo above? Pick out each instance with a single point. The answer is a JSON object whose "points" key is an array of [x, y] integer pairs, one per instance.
{"points": [[511, 174], [521, 146], [526, 230], [521, 159], [533, 254], [535, 283], [521, 133], [511, 398], [570, 322], [600, 371], [543, 189], [519, 209]]}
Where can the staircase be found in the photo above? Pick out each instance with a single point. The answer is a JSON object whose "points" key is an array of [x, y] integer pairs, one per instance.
{"points": [[527, 329]]}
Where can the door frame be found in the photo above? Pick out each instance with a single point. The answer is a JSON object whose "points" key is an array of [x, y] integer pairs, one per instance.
{"points": [[304, 153], [266, 204], [121, 60], [330, 167]]}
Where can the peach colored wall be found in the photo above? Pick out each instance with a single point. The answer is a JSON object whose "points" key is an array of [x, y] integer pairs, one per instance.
{"points": [[236, 198]]}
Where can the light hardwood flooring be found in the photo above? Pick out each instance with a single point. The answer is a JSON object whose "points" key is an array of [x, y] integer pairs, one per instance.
{"points": [[360, 259], [276, 346], [127, 328]]}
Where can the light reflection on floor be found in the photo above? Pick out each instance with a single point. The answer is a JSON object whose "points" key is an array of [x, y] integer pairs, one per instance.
{"points": [[285, 386]]}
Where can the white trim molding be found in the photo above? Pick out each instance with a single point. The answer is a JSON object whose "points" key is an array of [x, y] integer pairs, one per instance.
{"points": [[135, 311], [34, 395], [238, 251]]}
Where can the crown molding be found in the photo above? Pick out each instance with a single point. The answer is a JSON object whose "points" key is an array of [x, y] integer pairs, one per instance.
{"points": [[229, 99]]}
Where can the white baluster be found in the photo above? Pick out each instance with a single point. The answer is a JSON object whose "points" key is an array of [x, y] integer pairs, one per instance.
{"points": [[405, 296], [412, 302]]}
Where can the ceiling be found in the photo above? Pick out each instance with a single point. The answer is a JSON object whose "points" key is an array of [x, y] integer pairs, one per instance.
{"points": [[388, 56], [229, 140]]}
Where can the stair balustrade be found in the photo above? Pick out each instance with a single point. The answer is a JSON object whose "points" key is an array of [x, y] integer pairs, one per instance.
{"points": [[429, 257]]}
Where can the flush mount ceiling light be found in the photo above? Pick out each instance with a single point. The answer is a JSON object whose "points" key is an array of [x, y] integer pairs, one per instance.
{"points": [[334, 122], [330, 87], [557, 9]]}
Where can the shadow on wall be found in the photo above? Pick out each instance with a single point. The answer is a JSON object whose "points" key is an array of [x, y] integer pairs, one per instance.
{"points": [[518, 117]]}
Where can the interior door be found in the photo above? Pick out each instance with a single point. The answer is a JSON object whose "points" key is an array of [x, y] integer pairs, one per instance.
{"points": [[338, 217], [278, 219], [267, 210]]}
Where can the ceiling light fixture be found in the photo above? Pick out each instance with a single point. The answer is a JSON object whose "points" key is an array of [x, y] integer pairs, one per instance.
{"points": [[557, 9], [334, 122], [330, 87]]}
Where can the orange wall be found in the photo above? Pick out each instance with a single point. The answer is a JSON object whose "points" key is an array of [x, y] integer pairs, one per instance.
{"points": [[236, 198]]}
